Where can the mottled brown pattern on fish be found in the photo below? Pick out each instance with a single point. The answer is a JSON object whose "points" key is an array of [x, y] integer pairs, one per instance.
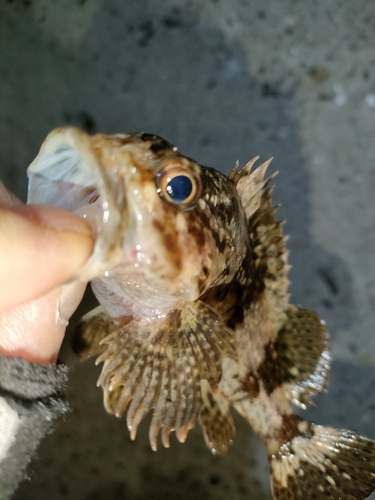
{"points": [[157, 144], [92, 328], [323, 463], [271, 259], [251, 386], [179, 350], [196, 227], [269, 370], [169, 239], [206, 285], [216, 420], [291, 428], [233, 298]]}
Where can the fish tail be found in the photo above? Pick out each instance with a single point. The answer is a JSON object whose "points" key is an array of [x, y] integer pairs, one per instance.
{"points": [[322, 462]]}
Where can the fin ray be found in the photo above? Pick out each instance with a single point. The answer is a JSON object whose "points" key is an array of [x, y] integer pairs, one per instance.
{"points": [[270, 257], [324, 463], [250, 185], [140, 369], [303, 355], [216, 421]]}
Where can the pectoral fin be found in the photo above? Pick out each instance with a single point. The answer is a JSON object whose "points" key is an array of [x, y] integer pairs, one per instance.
{"points": [[302, 348], [159, 364], [216, 420]]}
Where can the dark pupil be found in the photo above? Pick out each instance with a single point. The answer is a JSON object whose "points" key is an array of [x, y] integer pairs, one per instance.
{"points": [[179, 188]]}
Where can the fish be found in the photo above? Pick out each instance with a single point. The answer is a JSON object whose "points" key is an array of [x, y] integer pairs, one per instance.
{"points": [[190, 269]]}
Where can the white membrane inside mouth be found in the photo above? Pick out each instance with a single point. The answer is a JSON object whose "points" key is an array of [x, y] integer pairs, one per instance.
{"points": [[68, 174], [62, 179]]}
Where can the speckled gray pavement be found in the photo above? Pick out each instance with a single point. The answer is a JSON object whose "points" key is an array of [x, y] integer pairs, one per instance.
{"points": [[223, 80]]}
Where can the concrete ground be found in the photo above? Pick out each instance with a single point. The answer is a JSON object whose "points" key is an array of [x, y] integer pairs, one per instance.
{"points": [[224, 80]]}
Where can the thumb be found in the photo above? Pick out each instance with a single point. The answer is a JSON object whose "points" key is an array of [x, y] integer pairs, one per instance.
{"points": [[41, 248]]}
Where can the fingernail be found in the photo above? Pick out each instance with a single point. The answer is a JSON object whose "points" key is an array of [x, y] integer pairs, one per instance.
{"points": [[55, 218]]}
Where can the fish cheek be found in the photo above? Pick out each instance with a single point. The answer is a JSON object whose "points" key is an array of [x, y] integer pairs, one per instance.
{"points": [[185, 245], [169, 238], [197, 224], [201, 229]]}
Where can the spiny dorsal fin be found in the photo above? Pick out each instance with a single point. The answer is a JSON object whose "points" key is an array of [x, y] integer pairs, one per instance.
{"points": [[250, 185], [271, 257], [305, 358]]}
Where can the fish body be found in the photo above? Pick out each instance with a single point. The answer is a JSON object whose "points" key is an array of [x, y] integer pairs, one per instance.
{"points": [[190, 270]]}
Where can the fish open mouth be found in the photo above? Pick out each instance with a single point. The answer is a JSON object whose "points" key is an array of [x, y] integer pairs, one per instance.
{"points": [[68, 174]]}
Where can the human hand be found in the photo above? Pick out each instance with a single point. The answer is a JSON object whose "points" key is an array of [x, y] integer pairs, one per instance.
{"points": [[41, 248]]}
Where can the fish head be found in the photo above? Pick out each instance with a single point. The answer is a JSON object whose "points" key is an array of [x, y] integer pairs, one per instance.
{"points": [[166, 228]]}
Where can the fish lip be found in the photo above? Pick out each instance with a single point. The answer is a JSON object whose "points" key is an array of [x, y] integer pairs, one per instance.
{"points": [[107, 251]]}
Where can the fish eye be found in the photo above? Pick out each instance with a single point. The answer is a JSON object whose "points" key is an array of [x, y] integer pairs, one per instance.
{"points": [[179, 186]]}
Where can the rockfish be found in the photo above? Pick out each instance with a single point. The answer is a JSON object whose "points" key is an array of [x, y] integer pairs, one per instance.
{"points": [[190, 270]]}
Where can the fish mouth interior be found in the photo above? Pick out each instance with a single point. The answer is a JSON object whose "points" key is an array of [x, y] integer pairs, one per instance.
{"points": [[67, 174], [64, 180]]}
